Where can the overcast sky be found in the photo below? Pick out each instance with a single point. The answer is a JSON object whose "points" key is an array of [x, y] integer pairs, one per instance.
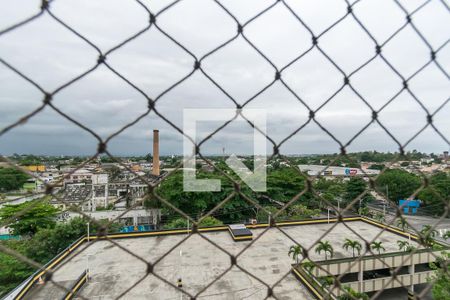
{"points": [[51, 55]]}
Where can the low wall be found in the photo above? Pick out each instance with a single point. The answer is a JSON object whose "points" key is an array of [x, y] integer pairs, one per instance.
{"points": [[373, 285], [375, 262]]}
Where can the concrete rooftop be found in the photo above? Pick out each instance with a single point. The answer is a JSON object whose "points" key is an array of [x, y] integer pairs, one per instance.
{"points": [[113, 270]]}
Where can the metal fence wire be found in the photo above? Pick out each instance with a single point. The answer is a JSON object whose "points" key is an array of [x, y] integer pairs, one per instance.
{"points": [[197, 68]]}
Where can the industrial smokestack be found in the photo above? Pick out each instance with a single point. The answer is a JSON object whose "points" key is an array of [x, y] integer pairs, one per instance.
{"points": [[155, 169]]}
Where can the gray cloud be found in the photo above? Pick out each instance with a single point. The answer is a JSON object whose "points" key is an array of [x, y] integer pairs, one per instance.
{"points": [[52, 55]]}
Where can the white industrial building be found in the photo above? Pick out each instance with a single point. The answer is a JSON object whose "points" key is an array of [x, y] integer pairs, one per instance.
{"points": [[316, 170]]}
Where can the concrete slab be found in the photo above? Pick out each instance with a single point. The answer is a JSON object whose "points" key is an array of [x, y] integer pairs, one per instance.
{"points": [[115, 272]]}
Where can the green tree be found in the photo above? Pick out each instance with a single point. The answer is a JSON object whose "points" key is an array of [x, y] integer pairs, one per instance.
{"points": [[177, 223], [26, 218], [427, 235], [29, 160], [363, 211], [377, 246], [440, 280], [299, 211], [436, 197], [308, 265], [330, 190], [429, 230], [285, 183], [446, 235], [210, 221], [49, 242], [325, 281], [379, 217], [353, 244], [354, 188], [326, 247], [376, 167], [43, 246], [295, 251], [182, 223], [403, 245], [401, 184], [199, 203], [13, 270], [402, 223], [11, 179], [263, 214]]}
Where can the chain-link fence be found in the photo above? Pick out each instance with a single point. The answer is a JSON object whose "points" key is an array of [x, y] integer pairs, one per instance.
{"points": [[314, 273]]}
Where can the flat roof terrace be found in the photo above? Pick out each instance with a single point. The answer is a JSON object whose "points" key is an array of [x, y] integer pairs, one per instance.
{"points": [[114, 272]]}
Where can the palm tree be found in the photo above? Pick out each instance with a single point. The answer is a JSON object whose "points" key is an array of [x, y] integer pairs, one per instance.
{"points": [[352, 244], [377, 246], [402, 224], [446, 235], [295, 250], [403, 245], [410, 248], [308, 266], [429, 231], [427, 234], [326, 248]]}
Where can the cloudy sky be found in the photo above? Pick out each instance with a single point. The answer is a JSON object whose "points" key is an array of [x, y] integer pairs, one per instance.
{"points": [[51, 55]]}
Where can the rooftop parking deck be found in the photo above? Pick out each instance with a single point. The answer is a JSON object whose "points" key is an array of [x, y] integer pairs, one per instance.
{"points": [[113, 271]]}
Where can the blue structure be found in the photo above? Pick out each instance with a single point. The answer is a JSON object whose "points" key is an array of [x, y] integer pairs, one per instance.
{"points": [[137, 228], [4, 237], [409, 206]]}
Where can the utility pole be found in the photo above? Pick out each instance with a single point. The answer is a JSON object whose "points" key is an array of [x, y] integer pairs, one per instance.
{"points": [[328, 215], [384, 202], [387, 192], [88, 236]]}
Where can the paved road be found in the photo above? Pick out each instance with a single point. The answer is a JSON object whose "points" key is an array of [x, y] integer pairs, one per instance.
{"points": [[417, 222]]}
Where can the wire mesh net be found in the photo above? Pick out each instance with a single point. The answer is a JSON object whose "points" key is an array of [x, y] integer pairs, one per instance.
{"points": [[309, 263]]}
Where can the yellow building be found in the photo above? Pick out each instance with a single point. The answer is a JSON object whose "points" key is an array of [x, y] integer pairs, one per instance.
{"points": [[36, 168], [136, 168]]}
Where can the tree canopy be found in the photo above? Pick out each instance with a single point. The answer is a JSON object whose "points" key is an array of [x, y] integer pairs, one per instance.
{"points": [[26, 218], [436, 196], [11, 179], [400, 184], [355, 187], [43, 246]]}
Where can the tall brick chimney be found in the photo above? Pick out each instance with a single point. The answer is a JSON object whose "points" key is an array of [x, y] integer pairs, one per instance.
{"points": [[155, 168]]}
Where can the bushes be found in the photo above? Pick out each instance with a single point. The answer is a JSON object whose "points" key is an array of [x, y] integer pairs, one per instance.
{"points": [[182, 223], [45, 244], [13, 271], [293, 212]]}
